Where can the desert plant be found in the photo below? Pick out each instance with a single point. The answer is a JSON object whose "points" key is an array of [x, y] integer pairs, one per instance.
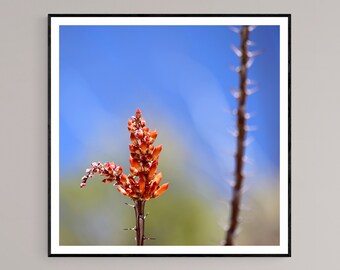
{"points": [[142, 184], [241, 126]]}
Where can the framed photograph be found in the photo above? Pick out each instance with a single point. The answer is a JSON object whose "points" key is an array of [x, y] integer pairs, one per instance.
{"points": [[169, 135]]}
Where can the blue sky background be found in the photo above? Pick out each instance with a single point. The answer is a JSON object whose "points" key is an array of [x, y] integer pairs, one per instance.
{"points": [[180, 77]]}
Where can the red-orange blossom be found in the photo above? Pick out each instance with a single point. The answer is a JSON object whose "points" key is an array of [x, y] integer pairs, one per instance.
{"points": [[143, 181]]}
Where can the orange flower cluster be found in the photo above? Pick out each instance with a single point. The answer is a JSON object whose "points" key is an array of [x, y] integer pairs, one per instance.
{"points": [[143, 182], [143, 161]]}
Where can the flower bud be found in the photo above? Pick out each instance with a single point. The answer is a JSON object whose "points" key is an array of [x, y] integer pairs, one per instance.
{"points": [[141, 183], [153, 134], [157, 179], [119, 169], [138, 113], [134, 163], [122, 190], [133, 139], [143, 148], [161, 190], [139, 133], [152, 170], [107, 180], [153, 187], [123, 179], [156, 152], [133, 170], [132, 148]]}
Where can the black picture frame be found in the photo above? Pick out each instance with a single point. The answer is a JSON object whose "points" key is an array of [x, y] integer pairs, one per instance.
{"points": [[51, 252]]}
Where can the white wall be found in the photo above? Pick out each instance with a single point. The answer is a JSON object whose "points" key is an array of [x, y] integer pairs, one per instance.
{"points": [[23, 135]]}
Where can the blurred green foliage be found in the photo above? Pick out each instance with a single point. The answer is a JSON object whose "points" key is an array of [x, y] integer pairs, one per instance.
{"points": [[193, 211], [184, 215]]}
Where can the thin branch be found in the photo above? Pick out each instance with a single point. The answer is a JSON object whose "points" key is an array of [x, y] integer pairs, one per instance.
{"points": [[241, 137]]}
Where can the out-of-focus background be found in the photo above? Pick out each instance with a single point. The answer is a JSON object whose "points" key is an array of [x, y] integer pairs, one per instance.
{"points": [[180, 77]]}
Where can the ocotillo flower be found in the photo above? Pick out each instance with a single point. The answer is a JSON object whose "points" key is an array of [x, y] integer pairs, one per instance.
{"points": [[143, 182], [143, 161]]}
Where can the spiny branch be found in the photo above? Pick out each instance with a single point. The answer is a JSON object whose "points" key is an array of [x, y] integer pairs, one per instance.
{"points": [[241, 136]]}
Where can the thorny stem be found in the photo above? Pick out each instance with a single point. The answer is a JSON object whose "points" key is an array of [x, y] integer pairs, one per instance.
{"points": [[241, 130], [140, 219]]}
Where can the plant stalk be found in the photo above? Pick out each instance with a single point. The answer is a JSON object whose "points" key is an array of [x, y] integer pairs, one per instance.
{"points": [[241, 132], [140, 220]]}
